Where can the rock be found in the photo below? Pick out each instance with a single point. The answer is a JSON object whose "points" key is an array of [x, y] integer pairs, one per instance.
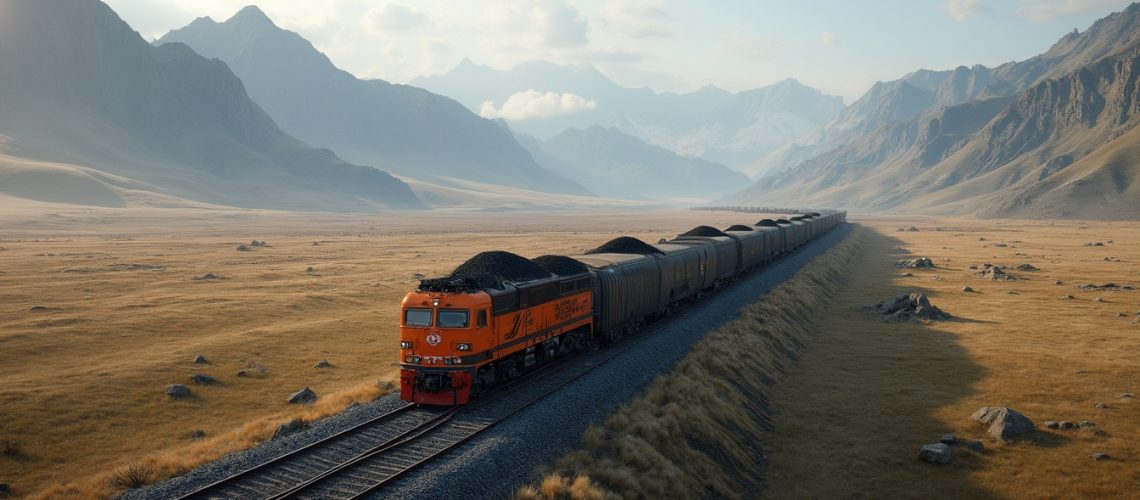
{"points": [[310, 269], [288, 428], [919, 263], [981, 238], [316, 243], [992, 272], [1100, 456], [178, 391], [1067, 297], [203, 379], [1098, 299], [1013, 292], [1026, 267], [1058, 282], [303, 396], [937, 453], [1052, 425], [207, 276], [242, 373], [242, 248], [1100, 406], [38, 308], [1127, 395], [1085, 424], [908, 307], [907, 275], [947, 439], [1094, 244], [200, 360], [1067, 425], [196, 434], [1004, 423], [974, 267], [324, 363], [967, 289]]}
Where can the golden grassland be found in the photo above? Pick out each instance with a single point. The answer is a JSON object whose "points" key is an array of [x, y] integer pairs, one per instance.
{"points": [[82, 379], [847, 420]]}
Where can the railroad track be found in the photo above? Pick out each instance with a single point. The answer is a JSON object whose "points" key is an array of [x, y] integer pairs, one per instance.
{"points": [[364, 459]]}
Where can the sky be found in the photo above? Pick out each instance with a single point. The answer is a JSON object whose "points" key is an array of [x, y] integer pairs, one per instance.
{"points": [[838, 46]]}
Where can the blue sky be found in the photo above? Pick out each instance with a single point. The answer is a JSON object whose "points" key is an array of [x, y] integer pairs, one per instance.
{"points": [[840, 47]]}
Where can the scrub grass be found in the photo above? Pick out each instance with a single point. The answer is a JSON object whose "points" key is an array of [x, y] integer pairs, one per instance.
{"points": [[695, 433]]}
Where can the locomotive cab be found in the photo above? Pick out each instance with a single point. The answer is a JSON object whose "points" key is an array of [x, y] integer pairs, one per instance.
{"points": [[444, 333]]}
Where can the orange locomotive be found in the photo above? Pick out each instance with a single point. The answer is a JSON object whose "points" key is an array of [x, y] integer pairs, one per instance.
{"points": [[462, 335]]}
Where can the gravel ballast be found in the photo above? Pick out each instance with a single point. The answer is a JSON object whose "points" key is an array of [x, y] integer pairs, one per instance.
{"points": [[497, 463]]}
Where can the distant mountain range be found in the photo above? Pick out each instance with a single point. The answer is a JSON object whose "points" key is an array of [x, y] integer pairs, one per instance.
{"points": [[1052, 136], [407, 130], [615, 164], [91, 113], [711, 123]]}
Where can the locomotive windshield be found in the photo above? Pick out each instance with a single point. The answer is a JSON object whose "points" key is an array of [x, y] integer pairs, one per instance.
{"points": [[417, 317], [452, 318]]}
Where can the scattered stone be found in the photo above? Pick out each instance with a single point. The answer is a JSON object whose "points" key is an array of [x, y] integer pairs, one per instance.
{"points": [[1052, 425], [302, 396], [1004, 423], [975, 446], [1091, 287], [1068, 297], [1100, 406], [910, 229], [316, 243], [919, 263], [288, 428], [1100, 456], [995, 273], [178, 391], [947, 439], [324, 363], [1000, 245], [913, 306], [1058, 282], [1067, 425], [242, 248], [207, 277], [1013, 292], [38, 308], [967, 289], [1026, 267], [1098, 299], [203, 379], [310, 270], [974, 267], [196, 434], [937, 453], [981, 238], [200, 360], [1094, 244], [256, 243], [907, 275], [1085, 424], [1127, 395], [242, 373]]}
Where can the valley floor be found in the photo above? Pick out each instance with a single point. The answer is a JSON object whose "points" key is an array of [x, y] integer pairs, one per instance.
{"points": [[102, 309]]}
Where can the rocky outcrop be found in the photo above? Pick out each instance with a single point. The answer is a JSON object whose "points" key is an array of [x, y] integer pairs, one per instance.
{"points": [[1004, 424]]}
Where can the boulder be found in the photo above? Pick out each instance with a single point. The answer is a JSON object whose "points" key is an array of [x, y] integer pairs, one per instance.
{"points": [[324, 363], [919, 263], [242, 248], [200, 360], [975, 446], [1026, 267], [904, 307], [178, 391], [937, 453], [1005, 424], [203, 379], [1067, 425], [1100, 456], [947, 439], [1052, 425], [1100, 406], [1085, 424], [288, 428], [302, 396], [967, 289]]}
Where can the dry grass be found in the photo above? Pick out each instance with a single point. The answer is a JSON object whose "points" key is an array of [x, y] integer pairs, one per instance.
{"points": [[83, 378], [696, 431], [868, 394]]}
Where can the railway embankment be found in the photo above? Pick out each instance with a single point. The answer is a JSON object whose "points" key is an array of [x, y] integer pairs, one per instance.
{"points": [[697, 430]]}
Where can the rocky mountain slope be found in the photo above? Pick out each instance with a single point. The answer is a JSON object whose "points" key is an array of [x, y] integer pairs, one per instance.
{"points": [[406, 129], [1000, 151], [82, 93]]}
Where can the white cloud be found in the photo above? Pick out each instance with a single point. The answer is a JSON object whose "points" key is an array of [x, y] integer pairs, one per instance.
{"points": [[1046, 10], [961, 10], [828, 38], [396, 18], [635, 18], [535, 104], [545, 23]]}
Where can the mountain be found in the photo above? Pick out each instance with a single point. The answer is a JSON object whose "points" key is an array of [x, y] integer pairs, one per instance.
{"points": [[409, 130], [1060, 147], [735, 129], [612, 163], [85, 97]]}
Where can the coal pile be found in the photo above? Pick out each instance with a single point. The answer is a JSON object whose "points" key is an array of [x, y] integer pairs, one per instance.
{"points": [[505, 265], [738, 227], [767, 223], [703, 231], [626, 244], [913, 306], [560, 265]]}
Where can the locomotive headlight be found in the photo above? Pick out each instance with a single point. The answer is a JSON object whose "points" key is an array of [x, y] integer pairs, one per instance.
{"points": [[463, 347], [435, 302], [405, 344]]}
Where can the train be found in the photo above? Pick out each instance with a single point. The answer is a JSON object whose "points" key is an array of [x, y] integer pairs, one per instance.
{"points": [[499, 315]]}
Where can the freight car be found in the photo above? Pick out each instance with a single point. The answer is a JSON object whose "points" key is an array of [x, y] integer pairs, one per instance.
{"points": [[499, 314]]}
